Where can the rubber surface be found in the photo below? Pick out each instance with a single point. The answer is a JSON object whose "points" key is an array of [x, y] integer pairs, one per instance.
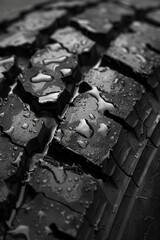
{"points": [[79, 121]]}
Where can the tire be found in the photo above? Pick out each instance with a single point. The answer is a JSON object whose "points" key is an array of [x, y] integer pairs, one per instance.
{"points": [[79, 121]]}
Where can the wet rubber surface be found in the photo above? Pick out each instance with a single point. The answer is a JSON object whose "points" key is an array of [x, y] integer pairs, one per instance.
{"points": [[79, 120]]}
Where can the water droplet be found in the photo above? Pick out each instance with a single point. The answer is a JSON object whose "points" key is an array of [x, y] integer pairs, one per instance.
{"points": [[44, 181], [12, 87], [28, 208], [141, 58], [133, 49], [77, 226], [59, 189], [7, 60], [35, 120], [84, 129], [2, 114], [85, 22], [91, 116], [63, 213], [103, 129], [10, 130], [115, 80], [84, 42], [76, 179], [52, 205], [82, 144], [12, 105], [69, 189], [49, 98], [55, 46], [141, 144], [47, 230], [124, 49], [39, 232], [113, 211], [26, 115], [66, 71], [41, 214], [25, 126], [54, 60], [18, 159], [58, 136], [41, 78], [76, 45], [27, 108], [21, 229], [102, 105]]}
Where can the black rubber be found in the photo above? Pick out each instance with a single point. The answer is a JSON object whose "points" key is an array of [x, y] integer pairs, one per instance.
{"points": [[79, 121]]}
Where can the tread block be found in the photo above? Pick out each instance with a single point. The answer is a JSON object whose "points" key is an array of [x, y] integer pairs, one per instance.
{"points": [[126, 152], [5, 65], [86, 130], [62, 63], [155, 136], [149, 34], [154, 78], [141, 5], [154, 16], [132, 119], [157, 91], [151, 122], [114, 197], [67, 186], [143, 102], [77, 43], [96, 209], [141, 131], [147, 155], [143, 113], [106, 124], [69, 5], [45, 216], [109, 166], [17, 39], [37, 21], [80, 193], [88, 230], [7, 73], [10, 160], [154, 82], [120, 178], [40, 81], [139, 205], [130, 161], [132, 52], [21, 124], [25, 31], [107, 219], [121, 91], [122, 147], [106, 15], [51, 86]]}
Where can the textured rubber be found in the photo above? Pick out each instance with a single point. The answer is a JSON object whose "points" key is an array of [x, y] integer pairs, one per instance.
{"points": [[79, 121]]}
